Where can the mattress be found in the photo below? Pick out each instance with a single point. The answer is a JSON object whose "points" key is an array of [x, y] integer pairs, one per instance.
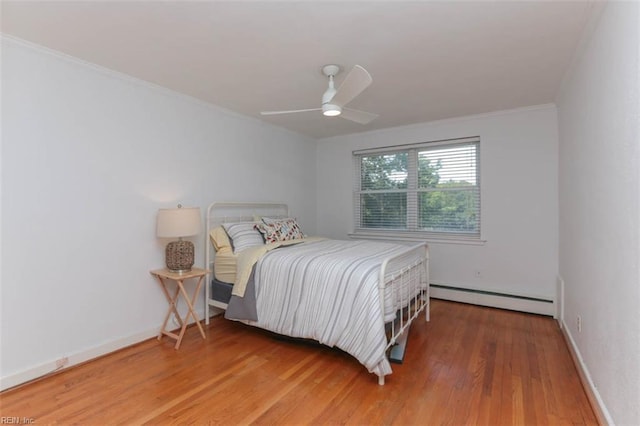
{"points": [[225, 261], [224, 266]]}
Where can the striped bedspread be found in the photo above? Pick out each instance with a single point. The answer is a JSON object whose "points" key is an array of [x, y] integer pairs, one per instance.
{"points": [[328, 291]]}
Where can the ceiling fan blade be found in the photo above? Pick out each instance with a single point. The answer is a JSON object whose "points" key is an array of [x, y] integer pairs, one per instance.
{"points": [[288, 112], [354, 83], [358, 116]]}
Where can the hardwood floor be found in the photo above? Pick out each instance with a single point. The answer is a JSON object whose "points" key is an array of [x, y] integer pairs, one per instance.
{"points": [[469, 365]]}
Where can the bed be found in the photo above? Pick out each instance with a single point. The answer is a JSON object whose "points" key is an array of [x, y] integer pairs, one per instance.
{"points": [[360, 296]]}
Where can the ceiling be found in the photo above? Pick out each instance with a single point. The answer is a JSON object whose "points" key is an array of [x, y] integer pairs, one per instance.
{"points": [[428, 60]]}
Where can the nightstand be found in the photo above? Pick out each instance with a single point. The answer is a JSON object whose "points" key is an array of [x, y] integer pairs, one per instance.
{"points": [[165, 276]]}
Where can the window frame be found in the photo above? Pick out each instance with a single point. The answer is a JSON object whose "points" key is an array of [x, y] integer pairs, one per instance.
{"points": [[412, 232]]}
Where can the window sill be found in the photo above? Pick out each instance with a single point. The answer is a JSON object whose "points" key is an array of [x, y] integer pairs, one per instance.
{"points": [[415, 237]]}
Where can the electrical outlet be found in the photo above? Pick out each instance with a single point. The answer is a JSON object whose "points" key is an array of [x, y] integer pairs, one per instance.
{"points": [[62, 362], [579, 323]]}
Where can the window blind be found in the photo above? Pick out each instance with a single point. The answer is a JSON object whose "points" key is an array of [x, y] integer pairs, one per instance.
{"points": [[431, 189]]}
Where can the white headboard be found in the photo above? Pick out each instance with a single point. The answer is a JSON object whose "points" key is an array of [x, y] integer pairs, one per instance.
{"points": [[219, 213]]}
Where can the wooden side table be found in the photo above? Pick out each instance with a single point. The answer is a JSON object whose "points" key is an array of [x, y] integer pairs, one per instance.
{"points": [[164, 276]]}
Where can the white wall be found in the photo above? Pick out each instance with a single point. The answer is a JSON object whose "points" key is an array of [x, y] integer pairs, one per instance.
{"points": [[88, 157], [599, 123], [518, 172]]}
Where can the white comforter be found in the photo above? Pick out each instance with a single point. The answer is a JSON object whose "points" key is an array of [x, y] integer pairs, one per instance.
{"points": [[328, 291]]}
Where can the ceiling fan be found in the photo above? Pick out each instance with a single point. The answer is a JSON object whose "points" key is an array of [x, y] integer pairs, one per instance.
{"points": [[334, 100]]}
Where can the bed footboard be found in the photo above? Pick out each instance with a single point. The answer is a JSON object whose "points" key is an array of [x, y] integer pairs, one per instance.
{"points": [[404, 286]]}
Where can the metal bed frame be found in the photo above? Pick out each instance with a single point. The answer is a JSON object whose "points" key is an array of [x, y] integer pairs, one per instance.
{"points": [[395, 273]]}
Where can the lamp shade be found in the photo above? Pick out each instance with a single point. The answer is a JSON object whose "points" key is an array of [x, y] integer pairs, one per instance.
{"points": [[178, 222]]}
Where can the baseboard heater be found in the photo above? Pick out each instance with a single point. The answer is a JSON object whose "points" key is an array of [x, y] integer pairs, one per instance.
{"points": [[494, 299]]}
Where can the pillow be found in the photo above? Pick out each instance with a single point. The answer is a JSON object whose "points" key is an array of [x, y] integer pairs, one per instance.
{"points": [[272, 220], [269, 232], [219, 239], [243, 235], [280, 230]]}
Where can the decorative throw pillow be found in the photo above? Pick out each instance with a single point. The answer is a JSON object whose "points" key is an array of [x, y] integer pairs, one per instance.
{"points": [[272, 220], [269, 233], [289, 229], [280, 230], [243, 235]]}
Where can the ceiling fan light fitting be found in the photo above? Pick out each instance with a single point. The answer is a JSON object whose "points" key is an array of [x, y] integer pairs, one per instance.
{"points": [[334, 99], [331, 110]]}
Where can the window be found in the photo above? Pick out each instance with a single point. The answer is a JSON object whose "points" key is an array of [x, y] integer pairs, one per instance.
{"points": [[429, 190]]}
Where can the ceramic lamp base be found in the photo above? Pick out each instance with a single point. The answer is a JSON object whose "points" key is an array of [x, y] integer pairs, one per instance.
{"points": [[179, 256]]}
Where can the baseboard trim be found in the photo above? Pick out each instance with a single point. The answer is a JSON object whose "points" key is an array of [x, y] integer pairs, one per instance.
{"points": [[599, 409], [493, 299], [47, 368]]}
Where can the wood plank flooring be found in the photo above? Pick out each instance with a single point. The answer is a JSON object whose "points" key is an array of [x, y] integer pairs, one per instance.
{"points": [[469, 365]]}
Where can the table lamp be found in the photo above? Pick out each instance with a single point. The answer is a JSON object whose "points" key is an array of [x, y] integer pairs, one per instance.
{"points": [[178, 223]]}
